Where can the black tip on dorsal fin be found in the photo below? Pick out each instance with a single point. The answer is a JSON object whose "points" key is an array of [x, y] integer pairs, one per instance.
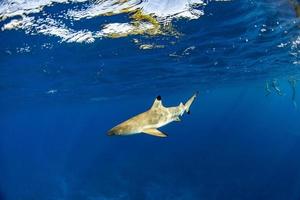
{"points": [[189, 112], [158, 97]]}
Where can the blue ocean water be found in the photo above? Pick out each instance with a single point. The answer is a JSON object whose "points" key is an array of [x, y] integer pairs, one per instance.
{"points": [[58, 100]]}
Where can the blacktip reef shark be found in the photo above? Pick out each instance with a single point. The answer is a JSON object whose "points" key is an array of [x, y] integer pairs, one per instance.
{"points": [[292, 81], [276, 88], [267, 88], [273, 85], [157, 116]]}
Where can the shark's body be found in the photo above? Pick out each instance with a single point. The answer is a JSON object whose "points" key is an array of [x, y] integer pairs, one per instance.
{"points": [[148, 122]]}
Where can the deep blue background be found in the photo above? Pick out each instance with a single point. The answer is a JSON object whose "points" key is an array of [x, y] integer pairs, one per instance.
{"points": [[236, 144]]}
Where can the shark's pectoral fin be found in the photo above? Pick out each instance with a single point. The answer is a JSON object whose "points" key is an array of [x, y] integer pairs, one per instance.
{"points": [[155, 132]]}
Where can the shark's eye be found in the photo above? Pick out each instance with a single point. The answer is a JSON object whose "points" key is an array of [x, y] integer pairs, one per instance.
{"points": [[158, 97]]}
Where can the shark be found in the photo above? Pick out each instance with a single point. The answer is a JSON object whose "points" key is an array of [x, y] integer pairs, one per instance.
{"points": [[292, 81], [149, 121], [267, 88], [276, 88]]}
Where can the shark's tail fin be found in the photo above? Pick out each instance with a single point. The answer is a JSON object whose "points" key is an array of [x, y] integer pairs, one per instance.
{"points": [[188, 104]]}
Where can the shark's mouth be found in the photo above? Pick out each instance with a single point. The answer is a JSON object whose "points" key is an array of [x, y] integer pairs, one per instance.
{"points": [[85, 21]]}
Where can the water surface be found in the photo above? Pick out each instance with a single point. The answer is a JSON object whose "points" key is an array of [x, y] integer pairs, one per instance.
{"points": [[71, 70]]}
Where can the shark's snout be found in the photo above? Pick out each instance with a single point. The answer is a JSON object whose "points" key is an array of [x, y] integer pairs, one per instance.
{"points": [[115, 131], [119, 130], [111, 132]]}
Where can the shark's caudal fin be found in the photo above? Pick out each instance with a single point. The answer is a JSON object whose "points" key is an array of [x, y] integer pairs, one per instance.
{"points": [[188, 104]]}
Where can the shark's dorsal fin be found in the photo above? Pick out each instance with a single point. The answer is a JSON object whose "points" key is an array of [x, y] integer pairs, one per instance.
{"points": [[157, 102], [155, 132]]}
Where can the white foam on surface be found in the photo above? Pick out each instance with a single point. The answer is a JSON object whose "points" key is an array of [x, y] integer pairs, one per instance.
{"points": [[123, 28], [169, 9], [12, 8], [103, 8], [30, 16], [295, 50], [51, 27]]}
